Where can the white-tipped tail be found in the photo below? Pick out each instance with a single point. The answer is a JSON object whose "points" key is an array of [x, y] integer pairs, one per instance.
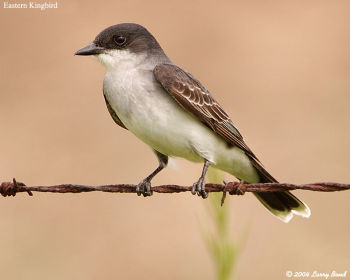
{"points": [[284, 205]]}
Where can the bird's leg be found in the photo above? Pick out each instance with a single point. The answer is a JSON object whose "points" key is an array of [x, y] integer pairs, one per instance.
{"points": [[199, 186], [144, 187]]}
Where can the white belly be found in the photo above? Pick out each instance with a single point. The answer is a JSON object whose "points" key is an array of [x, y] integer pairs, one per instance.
{"points": [[158, 120]]}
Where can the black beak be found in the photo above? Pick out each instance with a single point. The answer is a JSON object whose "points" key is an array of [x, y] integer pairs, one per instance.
{"points": [[91, 49]]}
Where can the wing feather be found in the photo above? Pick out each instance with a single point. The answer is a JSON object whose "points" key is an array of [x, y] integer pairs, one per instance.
{"points": [[186, 90], [195, 98]]}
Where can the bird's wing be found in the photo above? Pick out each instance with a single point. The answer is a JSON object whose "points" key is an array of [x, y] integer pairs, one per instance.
{"points": [[192, 96], [113, 113], [188, 91]]}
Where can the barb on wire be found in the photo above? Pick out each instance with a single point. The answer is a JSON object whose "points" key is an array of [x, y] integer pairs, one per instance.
{"points": [[233, 188]]}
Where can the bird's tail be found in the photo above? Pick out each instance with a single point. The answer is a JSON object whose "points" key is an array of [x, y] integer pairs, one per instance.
{"points": [[281, 204]]}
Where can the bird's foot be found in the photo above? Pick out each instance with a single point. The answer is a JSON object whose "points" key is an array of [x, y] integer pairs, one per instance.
{"points": [[144, 188], [199, 188]]}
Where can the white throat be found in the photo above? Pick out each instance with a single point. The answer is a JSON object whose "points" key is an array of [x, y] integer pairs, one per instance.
{"points": [[121, 60]]}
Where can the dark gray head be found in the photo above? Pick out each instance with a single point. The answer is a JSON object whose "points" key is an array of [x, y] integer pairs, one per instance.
{"points": [[125, 36]]}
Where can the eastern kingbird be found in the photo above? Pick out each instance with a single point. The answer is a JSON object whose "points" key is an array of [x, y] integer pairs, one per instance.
{"points": [[172, 112]]}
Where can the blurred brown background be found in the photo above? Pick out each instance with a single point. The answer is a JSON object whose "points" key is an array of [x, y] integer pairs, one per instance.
{"points": [[280, 68]]}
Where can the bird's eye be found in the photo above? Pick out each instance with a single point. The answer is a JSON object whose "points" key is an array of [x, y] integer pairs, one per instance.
{"points": [[120, 40]]}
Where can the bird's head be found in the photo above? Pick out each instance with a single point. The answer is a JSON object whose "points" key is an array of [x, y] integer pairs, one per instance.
{"points": [[122, 44]]}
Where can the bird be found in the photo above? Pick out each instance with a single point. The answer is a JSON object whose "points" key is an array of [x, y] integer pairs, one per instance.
{"points": [[167, 108]]}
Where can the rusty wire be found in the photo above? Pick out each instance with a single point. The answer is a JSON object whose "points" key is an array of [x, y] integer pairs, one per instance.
{"points": [[233, 188]]}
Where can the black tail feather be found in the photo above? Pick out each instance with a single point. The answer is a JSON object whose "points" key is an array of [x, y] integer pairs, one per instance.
{"points": [[281, 204]]}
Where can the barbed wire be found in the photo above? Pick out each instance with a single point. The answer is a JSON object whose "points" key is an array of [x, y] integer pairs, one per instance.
{"points": [[233, 188]]}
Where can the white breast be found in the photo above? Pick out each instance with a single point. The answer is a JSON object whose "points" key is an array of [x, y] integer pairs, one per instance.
{"points": [[149, 112]]}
